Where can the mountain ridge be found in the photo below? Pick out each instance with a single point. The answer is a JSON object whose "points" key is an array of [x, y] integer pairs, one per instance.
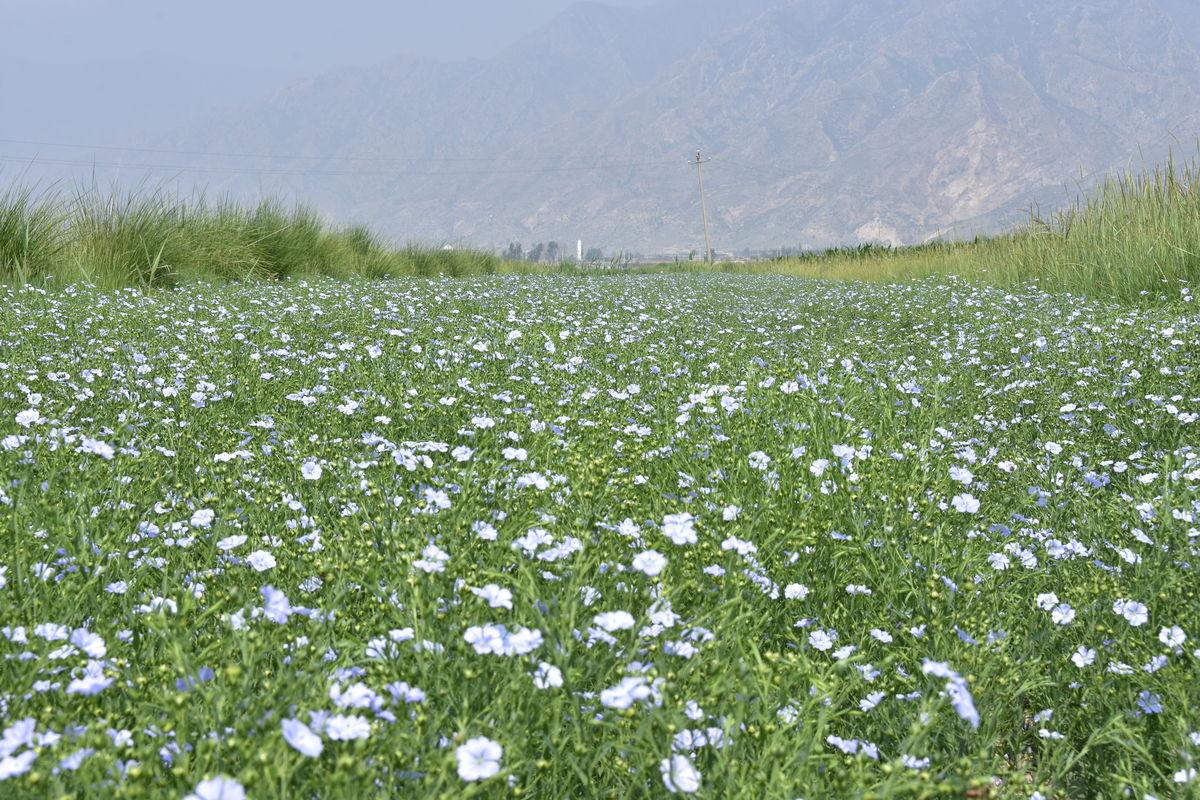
{"points": [[829, 123]]}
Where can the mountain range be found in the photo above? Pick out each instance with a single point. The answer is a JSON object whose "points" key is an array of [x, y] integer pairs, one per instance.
{"points": [[826, 122]]}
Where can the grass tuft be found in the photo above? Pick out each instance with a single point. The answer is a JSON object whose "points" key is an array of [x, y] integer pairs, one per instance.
{"points": [[30, 234]]}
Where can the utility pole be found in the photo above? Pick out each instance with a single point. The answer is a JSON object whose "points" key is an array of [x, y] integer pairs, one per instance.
{"points": [[708, 251]]}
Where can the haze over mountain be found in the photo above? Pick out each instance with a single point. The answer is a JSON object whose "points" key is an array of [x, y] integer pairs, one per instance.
{"points": [[827, 121]]}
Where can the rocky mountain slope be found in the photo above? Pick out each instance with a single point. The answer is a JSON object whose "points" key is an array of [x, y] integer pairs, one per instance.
{"points": [[827, 121]]}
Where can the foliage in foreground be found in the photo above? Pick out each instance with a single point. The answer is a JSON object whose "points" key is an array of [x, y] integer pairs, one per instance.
{"points": [[597, 537]]}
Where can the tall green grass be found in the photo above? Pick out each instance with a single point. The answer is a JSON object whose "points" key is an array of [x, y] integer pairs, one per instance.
{"points": [[30, 234], [1135, 235], [150, 238]]}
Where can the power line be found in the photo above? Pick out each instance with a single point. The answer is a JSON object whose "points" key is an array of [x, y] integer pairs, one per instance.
{"points": [[302, 172], [272, 156], [284, 170]]}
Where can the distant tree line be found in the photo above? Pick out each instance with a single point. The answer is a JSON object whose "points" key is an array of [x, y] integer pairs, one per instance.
{"points": [[546, 252], [542, 252]]}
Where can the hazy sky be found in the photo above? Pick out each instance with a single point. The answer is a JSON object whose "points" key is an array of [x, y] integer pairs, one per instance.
{"points": [[103, 71]]}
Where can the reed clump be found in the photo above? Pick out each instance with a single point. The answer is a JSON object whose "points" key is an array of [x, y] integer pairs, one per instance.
{"points": [[154, 239]]}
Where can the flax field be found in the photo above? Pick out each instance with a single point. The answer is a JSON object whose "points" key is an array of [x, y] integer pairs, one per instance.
{"points": [[612, 536]]}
